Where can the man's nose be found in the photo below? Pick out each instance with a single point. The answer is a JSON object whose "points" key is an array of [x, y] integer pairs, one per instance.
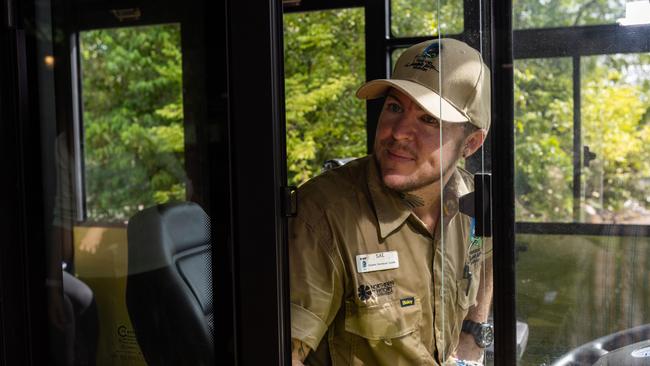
{"points": [[404, 127]]}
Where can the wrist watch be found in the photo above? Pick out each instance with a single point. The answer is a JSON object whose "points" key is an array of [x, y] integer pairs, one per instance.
{"points": [[483, 332]]}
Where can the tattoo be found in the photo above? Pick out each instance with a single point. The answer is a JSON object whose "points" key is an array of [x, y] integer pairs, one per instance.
{"points": [[299, 349], [412, 200]]}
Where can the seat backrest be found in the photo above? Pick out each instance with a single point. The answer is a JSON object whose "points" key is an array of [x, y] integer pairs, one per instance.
{"points": [[169, 284]]}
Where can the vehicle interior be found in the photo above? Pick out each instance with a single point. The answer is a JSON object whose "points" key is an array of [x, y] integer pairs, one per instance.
{"points": [[153, 151]]}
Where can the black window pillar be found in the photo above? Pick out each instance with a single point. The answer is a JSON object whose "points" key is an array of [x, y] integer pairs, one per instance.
{"points": [[22, 259], [258, 171], [377, 57], [505, 346]]}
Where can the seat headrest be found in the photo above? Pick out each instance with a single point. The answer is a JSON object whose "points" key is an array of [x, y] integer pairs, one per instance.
{"points": [[157, 234]]}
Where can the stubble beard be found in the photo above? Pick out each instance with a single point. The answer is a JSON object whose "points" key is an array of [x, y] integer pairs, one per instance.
{"points": [[417, 180]]}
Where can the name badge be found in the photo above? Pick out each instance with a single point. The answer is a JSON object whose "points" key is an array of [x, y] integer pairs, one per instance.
{"points": [[377, 261]]}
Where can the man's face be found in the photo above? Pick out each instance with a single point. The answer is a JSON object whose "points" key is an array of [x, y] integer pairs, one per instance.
{"points": [[408, 145]]}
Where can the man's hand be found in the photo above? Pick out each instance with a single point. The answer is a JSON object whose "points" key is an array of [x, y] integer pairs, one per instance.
{"points": [[299, 352]]}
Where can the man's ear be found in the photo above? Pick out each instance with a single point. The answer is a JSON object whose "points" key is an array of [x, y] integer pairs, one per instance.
{"points": [[473, 142]]}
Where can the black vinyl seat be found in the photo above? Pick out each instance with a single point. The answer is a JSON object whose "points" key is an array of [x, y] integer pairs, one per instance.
{"points": [[169, 284]]}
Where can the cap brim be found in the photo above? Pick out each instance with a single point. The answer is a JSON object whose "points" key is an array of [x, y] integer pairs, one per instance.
{"points": [[426, 98]]}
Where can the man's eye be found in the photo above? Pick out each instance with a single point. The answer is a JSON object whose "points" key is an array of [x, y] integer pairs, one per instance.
{"points": [[394, 107], [430, 120]]}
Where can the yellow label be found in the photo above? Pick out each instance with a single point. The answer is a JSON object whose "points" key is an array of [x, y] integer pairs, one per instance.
{"points": [[101, 261], [407, 301]]}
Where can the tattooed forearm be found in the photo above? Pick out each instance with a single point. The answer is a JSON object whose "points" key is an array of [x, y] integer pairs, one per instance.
{"points": [[299, 350]]}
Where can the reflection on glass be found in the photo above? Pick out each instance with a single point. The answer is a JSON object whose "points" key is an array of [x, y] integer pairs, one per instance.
{"points": [[562, 13], [543, 140], [133, 119], [422, 17], [387, 266], [134, 161], [324, 64], [574, 289], [616, 129]]}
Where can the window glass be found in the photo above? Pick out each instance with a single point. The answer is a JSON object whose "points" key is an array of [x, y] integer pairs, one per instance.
{"points": [[384, 265], [574, 289], [611, 176], [543, 140], [324, 65], [560, 13], [132, 119], [128, 235], [423, 17], [615, 93], [581, 127], [133, 158]]}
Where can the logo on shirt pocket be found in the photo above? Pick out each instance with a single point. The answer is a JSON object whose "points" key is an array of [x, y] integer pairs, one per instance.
{"points": [[364, 292]]}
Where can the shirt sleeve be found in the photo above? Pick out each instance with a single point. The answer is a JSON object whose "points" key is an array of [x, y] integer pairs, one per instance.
{"points": [[315, 277]]}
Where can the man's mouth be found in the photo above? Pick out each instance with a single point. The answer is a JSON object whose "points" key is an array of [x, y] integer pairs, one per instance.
{"points": [[399, 155]]}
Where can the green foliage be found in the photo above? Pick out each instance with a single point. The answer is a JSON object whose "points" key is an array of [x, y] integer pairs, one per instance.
{"points": [[565, 13], [420, 17], [324, 65], [614, 119], [543, 139], [615, 115], [133, 119]]}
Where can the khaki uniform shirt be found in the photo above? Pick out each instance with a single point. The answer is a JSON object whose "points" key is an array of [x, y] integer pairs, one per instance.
{"points": [[410, 315]]}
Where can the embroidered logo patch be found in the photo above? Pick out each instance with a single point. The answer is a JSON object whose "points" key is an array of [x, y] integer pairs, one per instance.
{"points": [[364, 292], [384, 288], [424, 61], [407, 301], [475, 243]]}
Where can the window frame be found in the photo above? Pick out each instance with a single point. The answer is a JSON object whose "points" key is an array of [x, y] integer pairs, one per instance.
{"points": [[25, 334], [606, 39], [497, 50], [506, 46]]}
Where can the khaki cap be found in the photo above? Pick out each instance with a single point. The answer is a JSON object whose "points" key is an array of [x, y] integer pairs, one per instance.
{"points": [[465, 81]]}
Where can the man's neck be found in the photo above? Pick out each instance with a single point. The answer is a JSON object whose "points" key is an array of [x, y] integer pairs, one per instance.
{"points": [[429, 211]]}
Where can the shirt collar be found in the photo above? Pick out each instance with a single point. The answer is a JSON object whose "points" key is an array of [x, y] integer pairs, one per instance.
{"points": [[454, 190], [392, 208]]}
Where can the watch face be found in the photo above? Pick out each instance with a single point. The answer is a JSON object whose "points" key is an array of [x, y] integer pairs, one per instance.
{"points": [[486, 335]]}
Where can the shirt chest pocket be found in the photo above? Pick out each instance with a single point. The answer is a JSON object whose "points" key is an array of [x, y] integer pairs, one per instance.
{"points": [[383, 321]]}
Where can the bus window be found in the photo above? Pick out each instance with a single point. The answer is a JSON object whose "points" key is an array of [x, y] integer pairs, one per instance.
{"points": [[544, 115], [581, 181], [542, 14], [131, 87], [130, 236], [420, 18], [132, 120], [374, 277], [324, 65]]}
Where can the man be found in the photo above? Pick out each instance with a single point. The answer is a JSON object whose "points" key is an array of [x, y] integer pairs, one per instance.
{"points": [[384, 268]]}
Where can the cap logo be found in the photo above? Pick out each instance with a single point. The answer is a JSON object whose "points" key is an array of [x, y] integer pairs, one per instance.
{"points": [[424, 61]]}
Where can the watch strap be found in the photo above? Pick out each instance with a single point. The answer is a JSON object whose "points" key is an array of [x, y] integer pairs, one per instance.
{"points": [[476, 330], [471, 327]]}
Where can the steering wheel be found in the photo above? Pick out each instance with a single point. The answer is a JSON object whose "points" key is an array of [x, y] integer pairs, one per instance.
{"points": [[590, 353]]}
